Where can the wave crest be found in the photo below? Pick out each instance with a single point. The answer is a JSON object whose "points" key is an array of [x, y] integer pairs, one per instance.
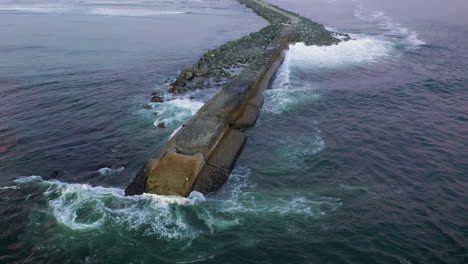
{"points": [[388, 27], [359, 50], [82, 207]]}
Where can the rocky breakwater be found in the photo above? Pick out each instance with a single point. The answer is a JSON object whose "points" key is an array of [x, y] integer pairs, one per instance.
{"points": [[221, 65], [202, 154]]}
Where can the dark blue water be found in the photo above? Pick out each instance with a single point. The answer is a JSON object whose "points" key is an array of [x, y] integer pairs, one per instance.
{"points": [[360, 154], [72, 83]]}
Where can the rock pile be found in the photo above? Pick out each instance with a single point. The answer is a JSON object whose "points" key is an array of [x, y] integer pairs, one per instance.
{"points": [[217, 65]]}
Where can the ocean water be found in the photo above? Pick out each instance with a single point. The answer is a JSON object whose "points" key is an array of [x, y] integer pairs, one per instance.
{"points": [[359, 155]]}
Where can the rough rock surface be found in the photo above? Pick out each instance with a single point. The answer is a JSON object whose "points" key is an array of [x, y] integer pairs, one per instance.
{"points": [[157, 99], [216, 64]]}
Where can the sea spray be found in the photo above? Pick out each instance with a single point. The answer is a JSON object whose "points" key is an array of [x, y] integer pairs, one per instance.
{"points": [[109, 171], [386, 27], [175, 112], [82, 207], [288, 91], [360, 50]]}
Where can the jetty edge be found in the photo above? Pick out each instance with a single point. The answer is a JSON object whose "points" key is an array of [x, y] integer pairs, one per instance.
{"points": [[202, 154]]}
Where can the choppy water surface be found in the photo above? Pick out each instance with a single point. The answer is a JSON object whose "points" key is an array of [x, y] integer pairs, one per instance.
{"points": [[360, 154]]}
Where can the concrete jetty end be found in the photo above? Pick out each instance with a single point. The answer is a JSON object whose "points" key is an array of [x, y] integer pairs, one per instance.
{"points": [[202, 154]]}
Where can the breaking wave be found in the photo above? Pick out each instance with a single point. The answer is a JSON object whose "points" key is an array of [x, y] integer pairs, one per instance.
{"points": [[8, 188], [108, 171], [175, 112], [284, 94], [388, 27], [360, 50], [288, 92], [84, 207], [81, 206], [35, 9], [281, 100]]}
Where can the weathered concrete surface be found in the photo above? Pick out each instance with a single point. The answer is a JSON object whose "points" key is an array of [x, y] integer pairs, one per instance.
{"points": [[202, 154], [187, 165], [221, 162]]}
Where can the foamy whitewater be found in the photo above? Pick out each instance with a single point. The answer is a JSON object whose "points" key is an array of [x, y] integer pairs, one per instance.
{"points": [[84, 207], [287, 92], [108, 171], [360, 50], [175, 112], [387, 27]]}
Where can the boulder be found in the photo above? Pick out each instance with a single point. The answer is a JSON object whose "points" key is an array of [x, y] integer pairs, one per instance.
{"points": [[178, 86], [188, 75], [178, 89], [157, 99], [201, 71], [179, 82]]}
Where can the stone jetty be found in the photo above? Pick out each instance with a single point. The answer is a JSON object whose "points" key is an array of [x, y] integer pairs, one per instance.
{"points": [[202, 154]]}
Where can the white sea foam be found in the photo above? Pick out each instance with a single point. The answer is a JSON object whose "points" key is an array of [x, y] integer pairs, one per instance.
{"points": [[27, 179], [196, 197], [287, 93], [359, 50], [294, 149], [35, 9], [388, 27], [284, 73], [175, 131], [108, 171], [9, 188], [84, 207], [413, 38], [81, 206], [239, 197], [175, 112], [281, 100], [307, 207]]}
